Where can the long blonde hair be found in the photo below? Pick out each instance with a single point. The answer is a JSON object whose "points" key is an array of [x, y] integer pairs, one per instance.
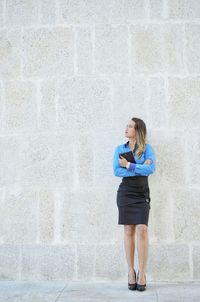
{"points": [[141, 132]]}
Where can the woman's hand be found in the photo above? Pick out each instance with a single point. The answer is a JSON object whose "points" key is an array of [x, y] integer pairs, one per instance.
{"points": [[148, 161], [123, 162]]}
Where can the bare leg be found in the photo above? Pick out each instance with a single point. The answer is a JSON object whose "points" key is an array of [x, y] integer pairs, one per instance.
{"points": [[129, 245], [142, 248]]}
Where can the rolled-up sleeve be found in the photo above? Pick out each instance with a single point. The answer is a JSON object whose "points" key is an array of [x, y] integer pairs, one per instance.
{"points": [[147, 169], [117, 169]]}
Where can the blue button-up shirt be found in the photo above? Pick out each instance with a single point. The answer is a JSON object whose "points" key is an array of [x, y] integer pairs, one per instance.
{"points": [[135, 169]]}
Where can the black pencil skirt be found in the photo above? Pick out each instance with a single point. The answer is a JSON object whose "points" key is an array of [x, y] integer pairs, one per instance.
{"points": [[133, 200]]}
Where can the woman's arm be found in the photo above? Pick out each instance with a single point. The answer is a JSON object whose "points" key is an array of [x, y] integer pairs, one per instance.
{"points": [[148, 167], [117, 169], [145, 169]]}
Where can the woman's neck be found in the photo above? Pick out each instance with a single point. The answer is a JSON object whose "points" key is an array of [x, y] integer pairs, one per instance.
{"points": [[131, 143]]}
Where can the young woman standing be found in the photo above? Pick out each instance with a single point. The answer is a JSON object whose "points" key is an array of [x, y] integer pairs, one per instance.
{"points": [[133, 197]]}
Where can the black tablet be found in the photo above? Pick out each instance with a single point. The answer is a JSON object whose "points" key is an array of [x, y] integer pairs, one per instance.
{"points": [[128, 156]]}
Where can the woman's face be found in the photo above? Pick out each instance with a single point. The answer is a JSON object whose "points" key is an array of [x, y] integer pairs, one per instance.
{"points": [[130, 130]]}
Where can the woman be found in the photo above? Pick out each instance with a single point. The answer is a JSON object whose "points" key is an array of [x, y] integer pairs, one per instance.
{"points": [[133, 197]]}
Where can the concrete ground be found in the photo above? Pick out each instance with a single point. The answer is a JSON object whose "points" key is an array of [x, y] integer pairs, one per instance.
{"points": [[96, 292]]}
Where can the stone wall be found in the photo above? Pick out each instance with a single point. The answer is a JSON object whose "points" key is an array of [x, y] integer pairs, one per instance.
{"points": [[72, 73]]}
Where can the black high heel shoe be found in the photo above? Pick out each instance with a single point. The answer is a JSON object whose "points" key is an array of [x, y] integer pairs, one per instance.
{"points": [[132, 286], [141, 287]]}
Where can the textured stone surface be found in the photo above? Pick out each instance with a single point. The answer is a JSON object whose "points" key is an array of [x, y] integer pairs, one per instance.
{"points": [[129, 100], [20, 106], [103, 152], [48, 113], [47, 262], [84, 50], [192, 33], [110, 262], [111, 49], [79, 209], [157, 9], [48, 11], [183, 102], [196, 261], [79, 11], [186, 210], [72, 73], [21, 12], [10, 262], [127, 11], [149, 56], [161, 210], [20, 217], [86, 261], [157, 105], [1, 13], [165, 159], [169, 261], [48, 53], [46, 160], [46, 215], [184, 9], [10, 47], [10, 165], [84, 104]]}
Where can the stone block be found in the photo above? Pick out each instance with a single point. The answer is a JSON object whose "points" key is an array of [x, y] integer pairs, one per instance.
{"points": [[183, 9], [111, 49], [10, 262], [192, 32], [157, 104], [84, 50], [21, 12], [1, 109], [156, 49], [186, 210], [1, 14], [81, 12], [84, 104], [48, 11], [47, 262], [86, 261], [10, 54], [92, 209], [48, 53], [183, 104], [20, 106], [2, 198], [9, 161], [195, 141], [127, 11], [156, 8], [20, 216], [110, 262], [129, 100], [48, 118], [46, 215], [104, 146], [168, 262], [84, 159], [196, 262], [162, 213], [165, 147], [46, 160]]}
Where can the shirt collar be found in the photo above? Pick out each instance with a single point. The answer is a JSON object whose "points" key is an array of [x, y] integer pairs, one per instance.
{"points": [[126, 144]]}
